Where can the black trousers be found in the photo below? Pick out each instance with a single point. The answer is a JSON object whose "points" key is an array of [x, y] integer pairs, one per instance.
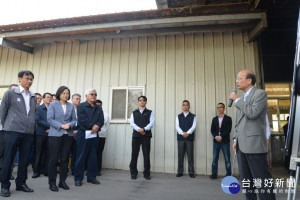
{"points": [[2, 147], [41, 160], [13, 141], [59, 147], [74, 154], [86, 152], [188, 147], [100, 152], [255, 166], [146, 144]]}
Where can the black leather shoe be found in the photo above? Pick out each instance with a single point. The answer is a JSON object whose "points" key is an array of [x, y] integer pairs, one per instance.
{"points": [[63, 185], [53, 188], [78, 183], [94, 181], [5, 192], [12, 177], [35, 175], [24, 188], [213, 176], [192, 176], [133, 177], [147, 177], [179, 175]]}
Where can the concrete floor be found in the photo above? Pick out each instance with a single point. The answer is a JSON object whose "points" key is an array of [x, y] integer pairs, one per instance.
{"points": [[117, 185]]}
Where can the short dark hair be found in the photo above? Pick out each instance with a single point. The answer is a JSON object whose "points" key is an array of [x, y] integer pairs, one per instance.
{"points": [[74, 95], [44, 95], [144, 97], [26, 72], [252, 76], [37, 94], [186, 101], [222, 104], [98, 101], [11, 85], [53, 95], [60, 90]]}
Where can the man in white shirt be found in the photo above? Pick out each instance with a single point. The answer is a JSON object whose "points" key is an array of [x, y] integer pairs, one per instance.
{"points": [[102, 137], [185, 126], [142, 121]]}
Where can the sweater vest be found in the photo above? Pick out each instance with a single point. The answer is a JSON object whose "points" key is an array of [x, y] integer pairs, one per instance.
{"points": [[185, 123], [142, 120]]}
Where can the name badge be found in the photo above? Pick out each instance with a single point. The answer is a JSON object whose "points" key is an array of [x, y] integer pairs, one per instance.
{"points": [[18, 99]]}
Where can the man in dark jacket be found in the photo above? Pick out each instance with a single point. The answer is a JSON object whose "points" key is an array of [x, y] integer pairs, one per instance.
{"points": [[90, 121], [220, 129], [142, 121], [41, 141], [17, 114], [185, 126]]}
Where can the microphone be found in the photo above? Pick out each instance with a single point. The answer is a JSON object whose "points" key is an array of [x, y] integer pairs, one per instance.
{"points": [[230, 100]]}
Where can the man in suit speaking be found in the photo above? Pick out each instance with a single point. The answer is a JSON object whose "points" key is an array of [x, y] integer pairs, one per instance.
{"points": [[250, 142]]}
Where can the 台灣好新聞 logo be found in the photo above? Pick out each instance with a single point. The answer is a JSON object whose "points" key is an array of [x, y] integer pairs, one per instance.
{"points": [[230, 185]]}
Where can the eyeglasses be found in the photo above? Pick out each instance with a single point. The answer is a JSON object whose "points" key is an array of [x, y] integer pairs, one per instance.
{"points": [[142, 100], [239, 78], [219, 107], [93, 94], [28, 79]]}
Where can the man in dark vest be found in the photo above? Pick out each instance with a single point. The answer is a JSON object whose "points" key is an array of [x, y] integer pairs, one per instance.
{"points": [[141, 120], [220, 129], [185, 127]]}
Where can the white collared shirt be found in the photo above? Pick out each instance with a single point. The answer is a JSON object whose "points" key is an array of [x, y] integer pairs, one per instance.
{"points": [[191, 130], [148, 127], [26, 96]]}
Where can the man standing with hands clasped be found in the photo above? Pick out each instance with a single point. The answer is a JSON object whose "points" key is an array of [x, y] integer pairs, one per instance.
{"points": [[185, 126], [250, 142], [141, 120], [220, 129]]}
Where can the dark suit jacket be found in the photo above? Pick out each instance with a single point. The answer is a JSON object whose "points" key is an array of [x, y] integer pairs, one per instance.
{"points": [[41, 120], [225, 128]]}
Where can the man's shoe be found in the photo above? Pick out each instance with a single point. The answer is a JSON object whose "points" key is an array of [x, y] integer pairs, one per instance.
{"points": [[5, 192], [53, 188], [147, 178], [24, 188], [192, 176], [78, 183], [63, 185], [179, 175], [213, 176], [94, 181], [133, 177], [35, 175], [12, 177], [45, 174], [99, 174]]}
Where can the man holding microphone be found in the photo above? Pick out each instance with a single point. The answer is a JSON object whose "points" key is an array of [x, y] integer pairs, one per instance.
{"points": [[250, 142]]}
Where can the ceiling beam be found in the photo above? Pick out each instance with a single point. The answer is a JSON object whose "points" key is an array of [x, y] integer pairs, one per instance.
{"points": [[14, 45]]}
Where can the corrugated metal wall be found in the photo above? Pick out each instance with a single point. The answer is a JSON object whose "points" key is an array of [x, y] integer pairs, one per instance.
{"points": [[200, 67]]}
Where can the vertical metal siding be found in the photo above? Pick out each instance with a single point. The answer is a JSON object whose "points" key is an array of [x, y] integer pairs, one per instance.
{"points": [[200, 67]]}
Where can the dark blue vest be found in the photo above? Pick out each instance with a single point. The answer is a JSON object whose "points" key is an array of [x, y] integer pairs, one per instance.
{"points": [[142, 120], [185, 123]]}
